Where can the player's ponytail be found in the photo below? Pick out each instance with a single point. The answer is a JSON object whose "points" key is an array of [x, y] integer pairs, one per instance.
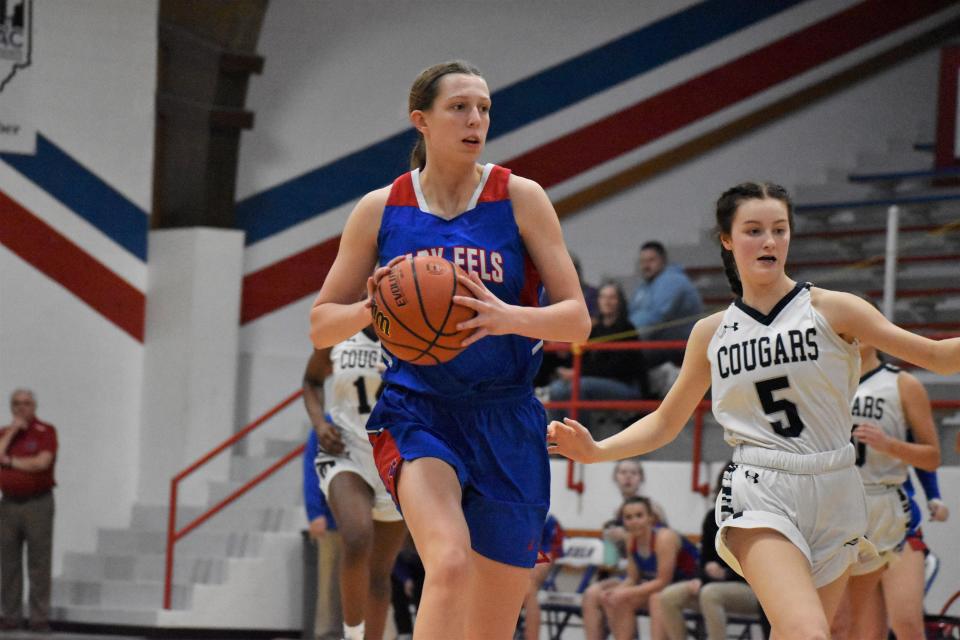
{"points": [[424, 92], [727, 206]]}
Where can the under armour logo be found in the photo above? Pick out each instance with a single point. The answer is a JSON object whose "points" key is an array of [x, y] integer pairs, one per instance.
{"points": [[324, 466], [732, 327], [752, 475], [851, 543]]}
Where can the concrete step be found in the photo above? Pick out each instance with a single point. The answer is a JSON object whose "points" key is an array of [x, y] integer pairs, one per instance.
{"points": [[187, 568], [232, 518], [243, 468], [116, 616], [263, 495], [120, 594], [275, 448], [199, 542]]}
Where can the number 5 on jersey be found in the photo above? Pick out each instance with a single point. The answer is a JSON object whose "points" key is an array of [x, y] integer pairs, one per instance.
{"points": [[765, 391]]}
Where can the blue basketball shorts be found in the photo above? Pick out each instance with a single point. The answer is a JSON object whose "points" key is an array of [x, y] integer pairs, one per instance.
{"points": [[497, 447]]}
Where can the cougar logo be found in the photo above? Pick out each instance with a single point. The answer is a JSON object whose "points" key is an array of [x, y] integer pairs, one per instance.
{"points": [[16, 25]]}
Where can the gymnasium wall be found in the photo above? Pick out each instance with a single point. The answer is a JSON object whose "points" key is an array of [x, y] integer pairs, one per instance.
{"points": [[73, 236]]}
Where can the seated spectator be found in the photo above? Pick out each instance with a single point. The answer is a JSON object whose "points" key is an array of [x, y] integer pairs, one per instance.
{"points": [[657, 556], [717, 589], [605, 375], [665, 305]]}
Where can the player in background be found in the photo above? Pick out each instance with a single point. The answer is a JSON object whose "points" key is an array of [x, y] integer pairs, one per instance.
{"points": [[783, 366], [344, 380], [322, 528], [462, 445], [893, 429]]}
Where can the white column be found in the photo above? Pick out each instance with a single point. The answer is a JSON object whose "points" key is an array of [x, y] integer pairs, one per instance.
{"points": [[890, 262], [190, 357]]}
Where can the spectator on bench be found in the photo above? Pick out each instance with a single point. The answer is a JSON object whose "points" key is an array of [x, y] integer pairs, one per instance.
{"points": [[656, 556]]}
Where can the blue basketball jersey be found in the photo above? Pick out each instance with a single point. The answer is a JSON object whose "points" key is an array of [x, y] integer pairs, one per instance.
{"points": [[485, 240]]}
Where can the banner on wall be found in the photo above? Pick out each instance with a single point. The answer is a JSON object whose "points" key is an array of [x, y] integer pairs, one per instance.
{"points": [[17, 134]]}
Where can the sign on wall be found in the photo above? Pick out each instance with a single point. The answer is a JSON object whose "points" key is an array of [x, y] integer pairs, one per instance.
{"points": [[17, 134]]}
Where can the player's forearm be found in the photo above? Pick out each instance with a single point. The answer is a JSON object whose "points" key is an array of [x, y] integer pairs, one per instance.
{"points": [[643, 436], [944, 356], [313, 403], [564, 321], [332, 323], [922, 456]]}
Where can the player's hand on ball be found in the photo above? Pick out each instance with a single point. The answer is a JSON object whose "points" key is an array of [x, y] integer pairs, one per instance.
{"points": [[380, 272], [572, 440], [493, 314]]}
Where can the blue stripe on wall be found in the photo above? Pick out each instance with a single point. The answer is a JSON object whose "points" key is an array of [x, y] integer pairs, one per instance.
{"points": [[85, 194], [515, 106]]}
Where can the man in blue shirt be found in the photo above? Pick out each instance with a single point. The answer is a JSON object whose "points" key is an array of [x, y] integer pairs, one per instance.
{"points": [[665, 305]]}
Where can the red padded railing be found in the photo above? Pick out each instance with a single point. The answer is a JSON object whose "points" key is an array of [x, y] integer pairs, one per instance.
{"points": [[173, 536]]}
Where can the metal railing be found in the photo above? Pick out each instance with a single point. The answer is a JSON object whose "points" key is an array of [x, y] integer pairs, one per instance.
{"points": [[173, 535]]}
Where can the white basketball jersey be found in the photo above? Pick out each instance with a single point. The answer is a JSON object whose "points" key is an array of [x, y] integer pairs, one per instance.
{"points": [[350, 391], [878, 402], [784, 380]]}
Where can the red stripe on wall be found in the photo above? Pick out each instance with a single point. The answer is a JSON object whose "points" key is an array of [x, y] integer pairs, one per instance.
{"points": [[717, 89], [287, 281], [41, 246]]}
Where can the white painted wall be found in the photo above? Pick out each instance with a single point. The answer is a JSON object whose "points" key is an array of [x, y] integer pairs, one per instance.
{"points": [[92, 80]]}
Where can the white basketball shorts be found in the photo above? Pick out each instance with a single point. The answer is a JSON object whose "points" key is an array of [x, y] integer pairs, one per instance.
{"points": [[816, 501], [357, 457], [888, 517]]}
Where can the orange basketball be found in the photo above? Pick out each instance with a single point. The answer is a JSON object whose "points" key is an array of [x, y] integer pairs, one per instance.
{"points": [[413, 310]]}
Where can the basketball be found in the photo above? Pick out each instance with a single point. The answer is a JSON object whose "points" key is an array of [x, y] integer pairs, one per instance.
{"points": [[414, 313]]}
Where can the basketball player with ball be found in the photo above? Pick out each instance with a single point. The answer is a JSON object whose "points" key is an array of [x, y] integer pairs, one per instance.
{"points": [[458, 436]]}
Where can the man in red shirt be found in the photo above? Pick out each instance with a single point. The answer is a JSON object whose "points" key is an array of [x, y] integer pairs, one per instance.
{"points": [[28, 450]]}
